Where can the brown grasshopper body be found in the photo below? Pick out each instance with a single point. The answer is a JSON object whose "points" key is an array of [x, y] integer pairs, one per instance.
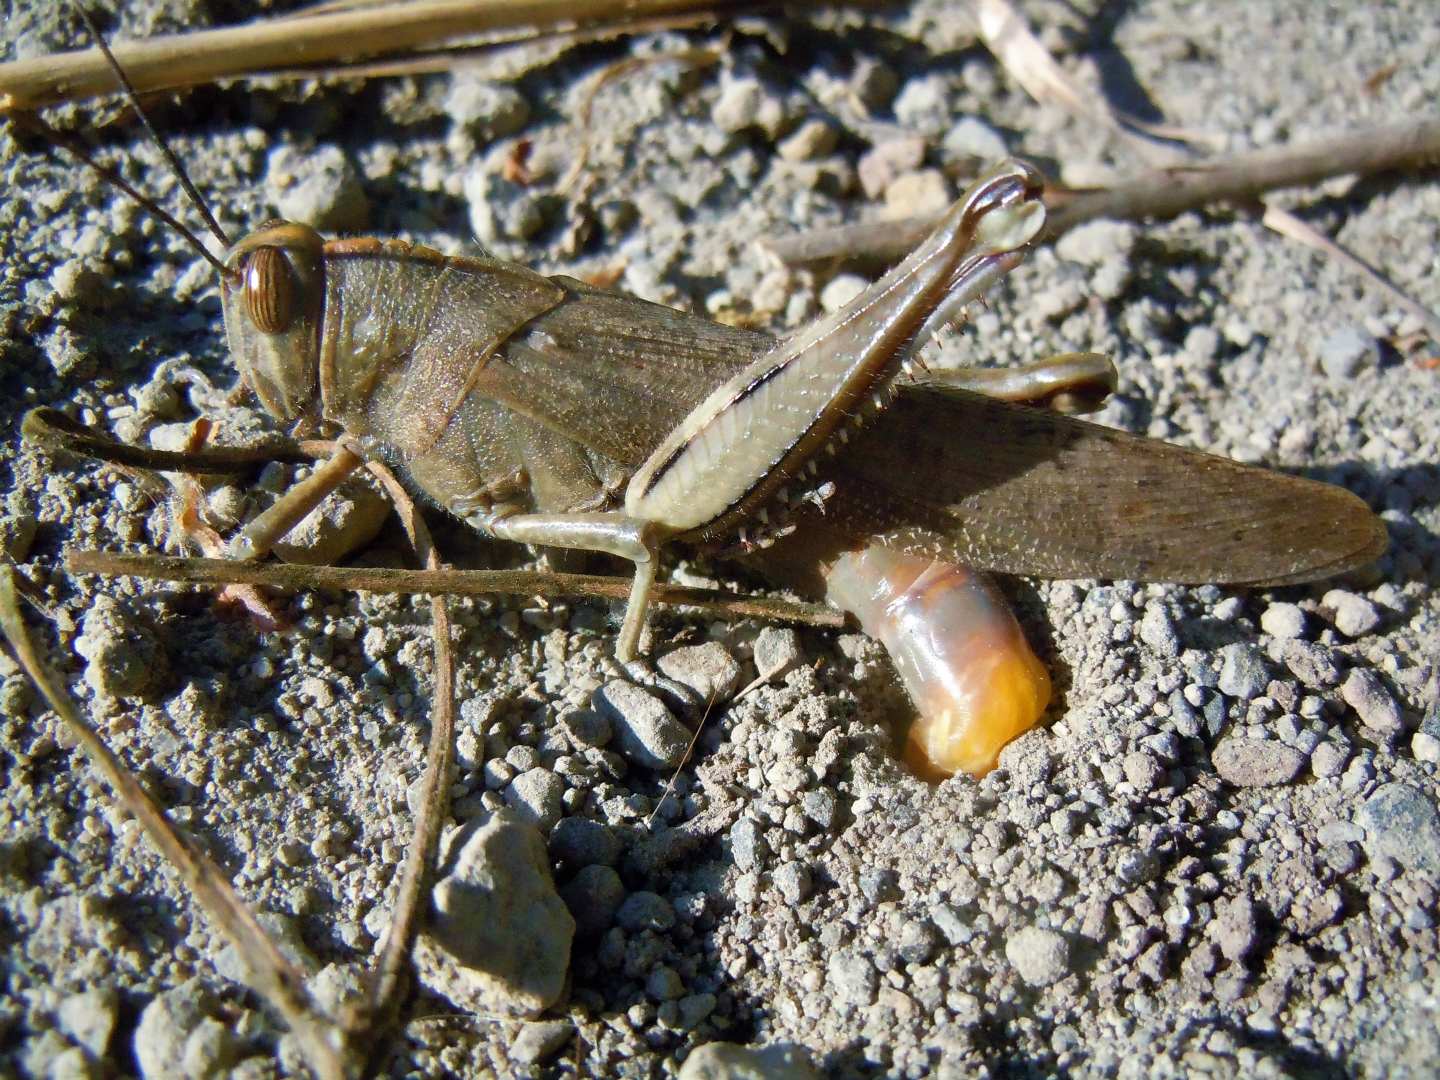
{"points": [[546, 411]]}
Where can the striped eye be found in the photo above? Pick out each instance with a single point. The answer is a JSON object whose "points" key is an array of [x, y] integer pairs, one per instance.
{"points": [[269, 290]]}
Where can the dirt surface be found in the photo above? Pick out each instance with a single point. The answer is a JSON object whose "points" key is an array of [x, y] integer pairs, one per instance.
{"points": [[1218, 856]]}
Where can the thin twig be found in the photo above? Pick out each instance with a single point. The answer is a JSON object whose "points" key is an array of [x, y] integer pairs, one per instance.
{"points": [[387, 983], [271, 974], [1288, 225], [1158, 193], [177, 60], [53, 431], [451, 582]]}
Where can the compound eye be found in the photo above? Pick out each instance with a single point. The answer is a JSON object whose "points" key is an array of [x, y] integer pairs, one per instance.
{"points": [[269, 290]]}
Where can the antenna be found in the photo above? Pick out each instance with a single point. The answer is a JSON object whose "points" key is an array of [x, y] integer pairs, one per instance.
{"points": [[134, 99]]}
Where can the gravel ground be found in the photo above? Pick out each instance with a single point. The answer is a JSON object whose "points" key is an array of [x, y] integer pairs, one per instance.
{"points": [[1218, 856]]}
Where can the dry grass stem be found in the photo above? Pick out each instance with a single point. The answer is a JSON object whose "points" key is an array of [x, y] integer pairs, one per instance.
{"points": [[271, 974], [1288, 225], [1159, 193], [387, 983], [178, 60], [710, 602]]}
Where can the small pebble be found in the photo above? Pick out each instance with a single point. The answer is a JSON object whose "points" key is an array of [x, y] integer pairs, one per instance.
{"points": [[917, 194], [536, 796], [578, 841], [793, 881], [1366, 694], [88, 1019], [1425, 747], [1244, 674], [488, 110], [1347, 352], [593, 896], [879, 166], [1328, 759], [317, 187], [729, 1061], [645, 911], [1039, 956], [1283, 620], [498, 936], [973, 137], [841, 289], [645, 730], [1143, 771], [776, 652], [708, 669], [1251, 763], [812, 139], [1097, 242], [747, 844], [540, 1040], [1353, 615], [1235, 928], [1402, 823]]}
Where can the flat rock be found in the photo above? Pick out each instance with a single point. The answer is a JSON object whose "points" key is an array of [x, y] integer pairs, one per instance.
{"points": [[498, 937], [1402, 823], [645, 730], [1256, 763], [730, 1061]]}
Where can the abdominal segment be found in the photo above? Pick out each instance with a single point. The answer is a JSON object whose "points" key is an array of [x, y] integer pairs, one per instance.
{"points": [[959, 651]]}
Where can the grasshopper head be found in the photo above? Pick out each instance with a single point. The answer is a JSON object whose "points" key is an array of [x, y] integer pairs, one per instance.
{"points": [[273, 293]]}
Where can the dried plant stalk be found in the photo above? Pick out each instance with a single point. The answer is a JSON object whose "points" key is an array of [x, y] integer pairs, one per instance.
{"points": [[176, 60], [451, 582]]}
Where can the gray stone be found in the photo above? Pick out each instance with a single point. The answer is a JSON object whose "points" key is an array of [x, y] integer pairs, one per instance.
{"points": [[578, 841], [1235, 928], [588, 727], [853, 977], [1157, 631], [1039, 956], [488, 110], [1402, 823], [793, 881], [812, 139], [1097, 242], [747, 844], [776, 652], [953, 926], [1317, 666], [1328, 759], [317, 187], [179, 1036], [664, 983], [88, 1019], [1283, 620], [972, 137], [540, 1040], [1347, 352], [1143, 771], [1366, 694], [645, 911], [730, 1061], [536, 796], [124, 658], [498, 936], [1253, 763], [593, 896], [1244, 674], [645, 730], [745, 103], [1425, 747], [708, 669], [879, 166]]}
